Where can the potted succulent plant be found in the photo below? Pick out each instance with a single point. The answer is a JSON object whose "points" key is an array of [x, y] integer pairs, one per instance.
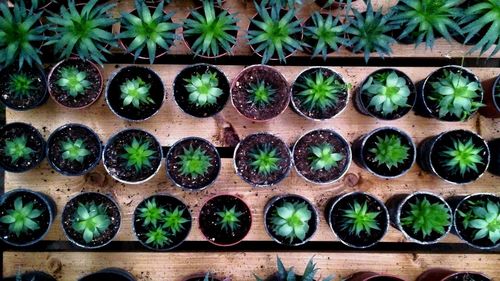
{"points": [[371, 276], [279, 3], [147, 31], [319, 93], [201, 90], [74, 149], [290, 219], [321, 156], [111, 273], [209, 276], [477, 19], [25, 216], [135, 93], [22, 147], [260, 93], [386, 94], [132, 156], [324, 33], [210, 31], [262, 159], [283, 274], [333, 3], [161, 222], [457, 156], [38, 5], [494, 146], [193, 163], [29, 276], [91, 220], [477, 220], [75, 83], [23, 88], [442, 274], [492, 99], [358, 219], [386, 152], [225, 220], [450, 93]]}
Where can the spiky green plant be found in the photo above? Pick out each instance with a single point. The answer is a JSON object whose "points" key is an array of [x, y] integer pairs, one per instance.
{"points": [[229, 218], [23, 218], [17, 149], [260, 93], [358, 219], [174, 220], [462, 157], [320, 92], [20, 33], [387, 91], [212, 29], [73, 81], [21, 85], [157, 237], [91, 220], [324, 157], [389, 151], [148, 30], [291, 220], [283, 274], [275, 34], [327, 33], [484, 218], [33, 3], [455, 95], [138, 154], [193, 162], [151, 213], [74, 150], [279, 3], [203, 89], [483, 15], [135, 92], [426, 217], [265, 159], [84, 31]]}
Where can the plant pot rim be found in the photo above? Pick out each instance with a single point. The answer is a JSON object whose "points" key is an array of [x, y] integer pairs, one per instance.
{"points": [[113, 270], [375, 276], [277, 197], [493, 91], [113, 137], [202, 275], [88, 193], [342, 139], [376, 199], [75, 58]]}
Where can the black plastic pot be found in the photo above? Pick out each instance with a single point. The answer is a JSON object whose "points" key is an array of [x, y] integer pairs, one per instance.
{"points": [[130, 113], [430, 158], [111, 273], [41, 202], [36, 97], [491, 98], [366, 159], [201, 277], [73, 132], [441, 274], [34, 140], [174, 169], [494, 166], [31, 276], [372, 276]]}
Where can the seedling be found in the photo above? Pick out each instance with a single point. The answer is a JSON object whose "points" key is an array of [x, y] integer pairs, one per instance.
{"points": [[151, 213], [74, 150], [91, 220], [265, 159], [284, 274], [484, 218], [426, 217], [462, 157], [23, 218], [21, 85], [327, 32], [17, 149], [174, 220], [229, 219], [291, 220], [389, 151], [72, 81], [194, 163], [320, 92], [357, 219], [324, 157], [135, 92], [260, 94], [387, 91], [158, 237], [483, 15], [138, 154], [203, 89]]}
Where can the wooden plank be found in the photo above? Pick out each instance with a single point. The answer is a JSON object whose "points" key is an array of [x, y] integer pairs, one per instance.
{"points": [[241, 266]]}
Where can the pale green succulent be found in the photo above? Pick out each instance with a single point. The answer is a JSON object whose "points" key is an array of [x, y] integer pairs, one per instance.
{"points": [[203, 89], [23, 218], [291, 220], [324, 157], [387, 91]]}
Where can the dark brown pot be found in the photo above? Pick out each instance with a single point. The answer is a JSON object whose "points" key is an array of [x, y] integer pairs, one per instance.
{"points": [[492, 107], [372, 276], [441, 274]]}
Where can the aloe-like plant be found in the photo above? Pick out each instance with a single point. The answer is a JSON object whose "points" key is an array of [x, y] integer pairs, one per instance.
{"points": [[174, 220], [291, 220], [229, 218], [280, 3], [389, 151], [73, 81], [324, 157], [138, 154], [320, 92], [327, 32], [462, 157], [21, 85], [193, 162], [135, 92], [483, 15], [260, 93], [358, 219], [91, 220], [283, 274], [484, 218], [265, 159], [426, 217], [387, 91], [17, 149], [74, 150], [84, 31], [157, 237], [203, 89], [151, 213], [23, 218]]}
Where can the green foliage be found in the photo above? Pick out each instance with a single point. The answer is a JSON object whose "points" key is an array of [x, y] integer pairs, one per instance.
{"points": [[279, 3], [389, 151], [22, 218], [85, 31], [174, 220], [229, 219], [484, 218], [17, 149], [426, 217], [203, 89], [283, 274], [387, 91], [91, 220], [320, 92], [74, 150], [324, 157], [291, 220], [151, 213], [194, 162], [158, 237], [138, 154], [358, 219], [21, 85], [327, 32], [261, 94], [483, 15], [135, 92], [212, 29], [265, 159], [72, 81], [462, 157]]}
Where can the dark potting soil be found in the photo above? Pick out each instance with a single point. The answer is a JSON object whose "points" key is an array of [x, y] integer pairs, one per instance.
{"points": [[43, 220], [243, 159], [36, 97], [494, 146], [302, 153], [34, 140], [314, 112], [467, 277], [181, 95], [174, 167], [253, 75], [168, 203], [145, 110], [210, 221], [69, 213], [117, 166], [73, 132], [336, 220], [88, 96]]}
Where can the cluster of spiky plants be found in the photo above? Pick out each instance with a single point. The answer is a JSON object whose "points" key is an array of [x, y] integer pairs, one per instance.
{"points": [[327, 33], [358, 219], [21, 85], [320, 92], [260, 93], [279, 3], [193, 162], [229, 218], [74, 150], [426, 217], [290, 220], [203, 89], [389, 151], [483, 217], [73, 81], [387, 91], [483, 15], [135, 92], [324, 157], [91, 220], [138, 154], [283, 274], [23, 218], [17, 149], [265, 159], [462, 157]]}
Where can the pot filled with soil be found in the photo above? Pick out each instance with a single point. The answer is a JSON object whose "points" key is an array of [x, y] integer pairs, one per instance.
{"points": [[319, 93], [135, 93], [91, 220], [30, 276], [132, 156], [321, 156], [23, 89], [386, 152], [25, 217], [457, 156], [284, 274], [74, 149], [477, 220], [358, 219], [225, 220], [372, 276], [494, 146], [386, 94], [193, 163], [260, 93], [75, 83], [290, 219], [491, 98], [442, 274], [201, 90], [206, 277], [111, 273], [262, 159], [22, 147], [162, 222]]}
